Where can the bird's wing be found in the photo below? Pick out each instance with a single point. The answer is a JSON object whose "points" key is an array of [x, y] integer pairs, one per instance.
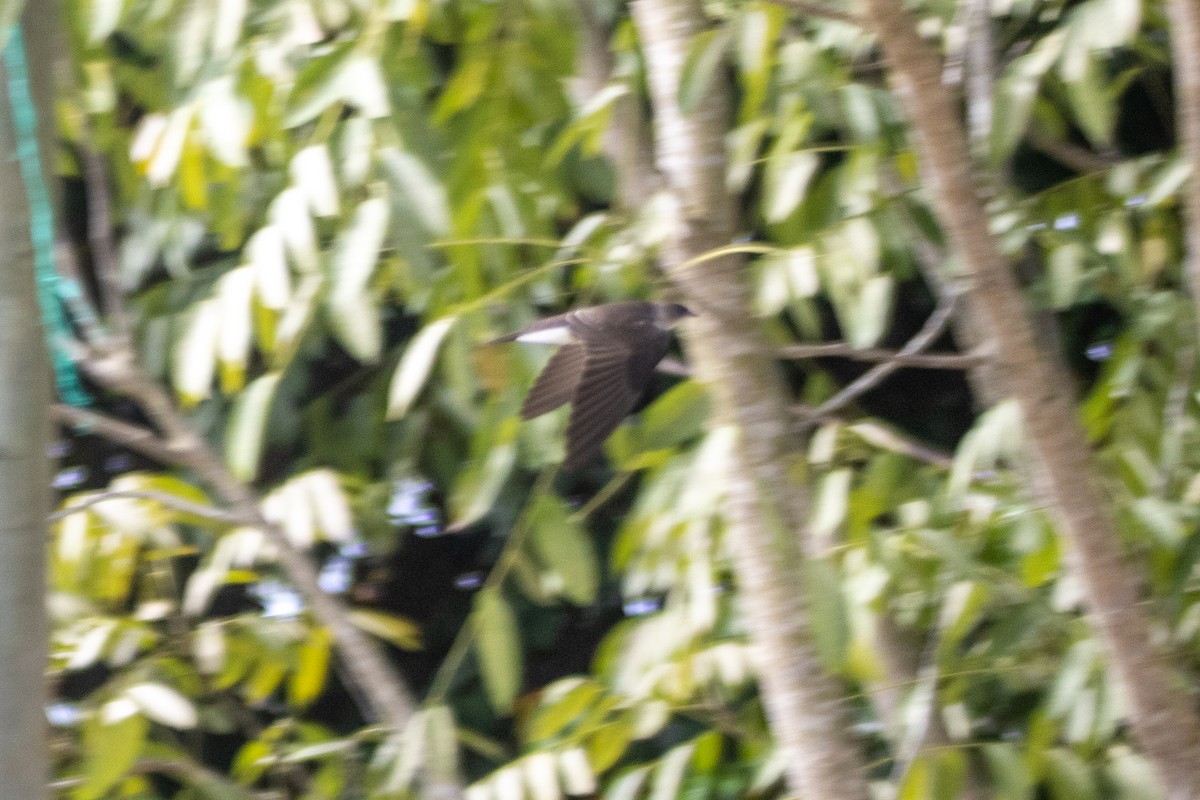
{"points": [[603, 397], [653, 343], [556, 385]]}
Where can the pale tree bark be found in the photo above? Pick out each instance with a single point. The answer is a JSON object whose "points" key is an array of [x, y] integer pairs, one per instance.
{"points": [[767, 505], [1185, 51], [24, 467], [627, 142], [1159, 710]]}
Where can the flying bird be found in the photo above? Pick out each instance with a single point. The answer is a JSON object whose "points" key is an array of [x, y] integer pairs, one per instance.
{"points": [[606, 360]]}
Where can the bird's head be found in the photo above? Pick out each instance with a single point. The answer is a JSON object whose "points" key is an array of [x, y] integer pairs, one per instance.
{"points": [[667, 315]]}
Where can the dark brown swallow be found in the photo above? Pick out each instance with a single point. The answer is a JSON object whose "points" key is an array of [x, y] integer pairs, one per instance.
{"points": [[607, 358]]}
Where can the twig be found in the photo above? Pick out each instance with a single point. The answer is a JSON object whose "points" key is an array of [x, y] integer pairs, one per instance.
{"points": [[84, 502], [874, 354], [806, 8], [930, 331], [1080, 159], [136, 438], [99, 229]]}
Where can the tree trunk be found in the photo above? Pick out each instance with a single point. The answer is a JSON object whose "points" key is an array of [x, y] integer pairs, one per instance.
{"points": [[1166, 728], [767, 506], [24, 467], [1185, 49]]}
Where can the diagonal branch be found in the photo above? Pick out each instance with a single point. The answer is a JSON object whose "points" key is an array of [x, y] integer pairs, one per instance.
{"points": [[112, 363], [85, 502], [136, 438], [934, 327]]}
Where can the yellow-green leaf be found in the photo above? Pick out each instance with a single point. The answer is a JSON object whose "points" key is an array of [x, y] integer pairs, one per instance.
{"points": [[498, 647]]}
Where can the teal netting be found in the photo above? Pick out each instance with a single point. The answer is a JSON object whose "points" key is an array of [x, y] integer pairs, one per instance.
{"points": [[51, 289]]}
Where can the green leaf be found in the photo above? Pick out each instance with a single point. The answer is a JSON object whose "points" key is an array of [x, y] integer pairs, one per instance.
{"points": [[498, 647], [705, 55], [788, 176], [312, 665], [559, 709], [1095, 110], [564, 547], [609, 742], [398, 630], [493, 456], [1069, 777], [1066, 274], [1014, 98], [758, 29], [196, 354], [1011, 779], [918, 781], [320, 85], [413, 371], [675, 417], [669, 775], [112, 743], [247, 426], [441, 743], [425, 193]]}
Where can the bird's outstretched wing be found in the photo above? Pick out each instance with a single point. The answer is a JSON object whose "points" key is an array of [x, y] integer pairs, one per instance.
{"points": [[603, 397], [556, 384], [614, 375]]}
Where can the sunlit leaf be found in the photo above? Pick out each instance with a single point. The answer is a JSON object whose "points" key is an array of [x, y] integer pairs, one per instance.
{"points": [[163, 704], [247, 426], [312, 665], [413, 371], [397, 630], [425, 193], [112, 744]]}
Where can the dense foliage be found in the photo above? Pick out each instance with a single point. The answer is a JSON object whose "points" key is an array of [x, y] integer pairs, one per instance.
{"points": [[325, 206]]}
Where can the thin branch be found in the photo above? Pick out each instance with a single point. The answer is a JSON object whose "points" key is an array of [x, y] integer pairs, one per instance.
{"points": [[99, 229], [952, 361], [83, 503], [805, 8], [1080, 159], [930, 331], [136, 438], [870, 355]]}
